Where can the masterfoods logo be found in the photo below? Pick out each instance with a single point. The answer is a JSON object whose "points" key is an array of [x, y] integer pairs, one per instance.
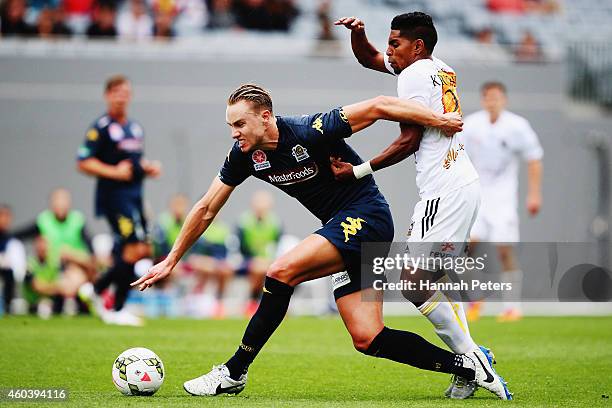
{"points": [[295, 175]]}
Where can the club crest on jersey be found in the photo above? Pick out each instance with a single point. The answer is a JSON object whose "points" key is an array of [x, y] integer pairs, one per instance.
{"points": [[299, 152], [261, 160], [116, 132]]}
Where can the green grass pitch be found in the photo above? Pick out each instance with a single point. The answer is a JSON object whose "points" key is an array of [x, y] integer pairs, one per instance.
{"points": [[548, 361]]}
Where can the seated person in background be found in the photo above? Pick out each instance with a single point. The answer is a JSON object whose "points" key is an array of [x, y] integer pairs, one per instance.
{"points": [[208, 256], [67, 247], [46, 279], [259, 231], [12, 259]]}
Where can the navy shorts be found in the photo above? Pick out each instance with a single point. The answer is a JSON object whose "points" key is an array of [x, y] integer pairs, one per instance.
{"points": [[361, 222], [127, 220]]}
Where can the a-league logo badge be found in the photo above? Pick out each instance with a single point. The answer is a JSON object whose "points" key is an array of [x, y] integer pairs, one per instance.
{"points": [[299, 152], [261, 160]]}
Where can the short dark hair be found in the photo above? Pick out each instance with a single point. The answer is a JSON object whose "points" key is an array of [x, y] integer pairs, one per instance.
{"points": [[114, 81], [258, 96], [5, 207], [416, 25], [493, 85]]}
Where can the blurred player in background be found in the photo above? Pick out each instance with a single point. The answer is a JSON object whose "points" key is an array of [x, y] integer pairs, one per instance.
{"points": [[63, 260], [446, 179], [259, 231], [207, 258], [497, 140], [12, 259], [113, 153], [293, 153]]}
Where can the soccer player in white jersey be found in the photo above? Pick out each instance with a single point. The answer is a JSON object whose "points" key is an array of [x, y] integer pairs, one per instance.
{"points": [[447, 182], [497, 140]]}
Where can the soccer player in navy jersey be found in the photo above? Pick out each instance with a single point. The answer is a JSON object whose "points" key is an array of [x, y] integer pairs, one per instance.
{"points": [[293, 154], [113, 153]]}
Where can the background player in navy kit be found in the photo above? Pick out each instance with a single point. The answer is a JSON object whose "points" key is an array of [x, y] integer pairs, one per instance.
{"points": [[112, 152], [293, 154]]}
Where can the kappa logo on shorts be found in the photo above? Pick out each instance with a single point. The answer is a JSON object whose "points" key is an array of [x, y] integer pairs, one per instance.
{"points": [[351, 227], [261, 160]]}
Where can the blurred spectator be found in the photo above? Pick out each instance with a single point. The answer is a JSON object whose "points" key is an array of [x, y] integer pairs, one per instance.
{"points": [[12, 259], [103, 24], [12, 19], [135, 23], [543, 6], [78, 13], [220, 14], [51, 24], [190, 15], [507, 6], [485, 36], [63, 261], [326, 27], [265, 15], [259, 232], [163, 22], [207, 258], [528, 49]]}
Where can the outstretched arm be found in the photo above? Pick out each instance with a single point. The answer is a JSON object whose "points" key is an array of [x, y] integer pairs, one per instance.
{"points": [[405, 145], [198, 219], [364, 51], [363, 114]]}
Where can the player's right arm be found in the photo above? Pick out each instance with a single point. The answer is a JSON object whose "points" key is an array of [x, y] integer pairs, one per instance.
{"points": [[364, 51], [89, 163], [92, 166], [197, 221]]}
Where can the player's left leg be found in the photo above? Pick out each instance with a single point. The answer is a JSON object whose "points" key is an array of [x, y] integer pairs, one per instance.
{"points": [[362, 315], [314, 257]]}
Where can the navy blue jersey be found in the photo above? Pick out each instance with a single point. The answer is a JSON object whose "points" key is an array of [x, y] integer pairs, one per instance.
{"points": [[300, 164], [111, 142]]}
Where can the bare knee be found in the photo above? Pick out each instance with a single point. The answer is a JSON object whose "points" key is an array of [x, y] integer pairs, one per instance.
{"points": [[284, 271], [362, 339]]}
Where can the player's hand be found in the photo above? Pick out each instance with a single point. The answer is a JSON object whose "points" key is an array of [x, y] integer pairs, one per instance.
{"points": [[123, 170], [352, 23], [452, 123], [156, 273], [342, 171], [152, 168], [534, 203]]}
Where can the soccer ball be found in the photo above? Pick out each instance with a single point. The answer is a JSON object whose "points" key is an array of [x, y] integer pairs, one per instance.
{"points": [[138, 371]]}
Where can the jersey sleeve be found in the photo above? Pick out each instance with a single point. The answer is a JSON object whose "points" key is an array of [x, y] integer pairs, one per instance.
{"points": [[415, 86], [91, 145], [530, 148], [235, 169], [329, 126]]}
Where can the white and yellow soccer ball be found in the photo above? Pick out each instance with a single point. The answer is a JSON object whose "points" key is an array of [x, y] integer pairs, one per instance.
{"points": [[138, 371]]}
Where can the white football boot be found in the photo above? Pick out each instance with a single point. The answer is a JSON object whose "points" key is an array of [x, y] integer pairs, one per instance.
{"points": [[486, 376], [216, 382], [462, 388]]}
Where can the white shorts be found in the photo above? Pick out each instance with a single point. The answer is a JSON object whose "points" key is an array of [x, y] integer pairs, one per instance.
{"points": [[497, 221], [442, 224]]}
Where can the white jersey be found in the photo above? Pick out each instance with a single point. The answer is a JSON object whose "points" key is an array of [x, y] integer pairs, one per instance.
{"points": [[496, 149], [442, 163]]}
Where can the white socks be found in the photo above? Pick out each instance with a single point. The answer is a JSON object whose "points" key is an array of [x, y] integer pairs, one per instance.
{"points": [[450, 324]]}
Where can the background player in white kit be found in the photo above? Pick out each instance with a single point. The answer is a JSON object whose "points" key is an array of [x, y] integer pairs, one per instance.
{"points": [[447, 182], [497, 140]]}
